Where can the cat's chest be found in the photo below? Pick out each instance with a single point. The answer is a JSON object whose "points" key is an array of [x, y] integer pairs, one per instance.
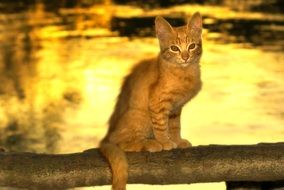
{"points": [[183, 84], [177, 86], [183, 90]]}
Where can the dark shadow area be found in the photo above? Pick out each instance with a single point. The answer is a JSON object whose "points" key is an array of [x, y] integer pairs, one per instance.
{"points": [[245, 185], [166, 3], [256, 32], [139, 26], [271, 6]]}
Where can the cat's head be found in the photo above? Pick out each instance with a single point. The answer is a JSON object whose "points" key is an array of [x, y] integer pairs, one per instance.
{"points": [[180, 45]]}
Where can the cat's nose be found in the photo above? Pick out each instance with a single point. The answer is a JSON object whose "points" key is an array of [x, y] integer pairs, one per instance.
{"points": [[185, 55]]}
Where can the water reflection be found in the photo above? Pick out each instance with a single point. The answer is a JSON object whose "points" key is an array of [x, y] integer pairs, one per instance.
{"points": [[62, 63]]}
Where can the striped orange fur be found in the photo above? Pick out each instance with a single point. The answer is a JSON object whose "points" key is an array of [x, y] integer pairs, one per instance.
{"points": [[147, 113]]}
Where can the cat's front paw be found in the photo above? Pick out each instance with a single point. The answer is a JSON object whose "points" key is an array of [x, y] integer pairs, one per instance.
{"points": [[168, 145], [183, 143], [152, 145]]}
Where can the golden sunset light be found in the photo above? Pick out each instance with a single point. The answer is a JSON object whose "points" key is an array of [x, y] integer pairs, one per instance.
{"points": [[62, 64]]}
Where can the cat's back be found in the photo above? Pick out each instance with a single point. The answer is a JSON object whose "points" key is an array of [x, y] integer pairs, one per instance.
{"points": [[135, 88], [138, 82], [143, 73], [144, 70]]}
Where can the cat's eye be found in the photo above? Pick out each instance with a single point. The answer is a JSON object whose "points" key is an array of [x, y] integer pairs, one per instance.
{"points": [[191, 46], [174, 48]]}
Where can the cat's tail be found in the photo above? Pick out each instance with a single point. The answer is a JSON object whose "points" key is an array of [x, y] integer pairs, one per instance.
{"points": [[118, 162]]}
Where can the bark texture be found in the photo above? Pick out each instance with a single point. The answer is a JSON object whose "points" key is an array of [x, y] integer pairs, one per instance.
{"points": [[213, 163]]}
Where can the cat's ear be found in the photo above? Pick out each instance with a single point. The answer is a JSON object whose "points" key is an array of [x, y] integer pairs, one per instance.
{"points": [[194, 24], [163, 29]]}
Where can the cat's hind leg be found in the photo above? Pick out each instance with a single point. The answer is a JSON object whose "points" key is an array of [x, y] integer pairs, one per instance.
{"points": [[135, 146], [132, 130], [150, 145]]}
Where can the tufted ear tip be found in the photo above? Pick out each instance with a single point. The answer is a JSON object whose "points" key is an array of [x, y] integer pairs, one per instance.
{"points": [[196, 14], [158, 19], [163, 28], [196, 20]]}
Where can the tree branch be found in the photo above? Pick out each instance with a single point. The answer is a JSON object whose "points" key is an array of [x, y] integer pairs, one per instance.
{"points": [[214, 163]]}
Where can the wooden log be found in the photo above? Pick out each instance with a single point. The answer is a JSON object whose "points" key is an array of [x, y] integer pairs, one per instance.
{"points": [[213, 163]]}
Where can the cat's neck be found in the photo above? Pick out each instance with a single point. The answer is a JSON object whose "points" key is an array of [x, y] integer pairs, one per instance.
{"points": [[167, 67], [185, 78]]}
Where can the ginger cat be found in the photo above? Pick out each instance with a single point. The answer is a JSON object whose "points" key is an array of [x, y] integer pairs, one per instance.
{"points": [[147, 113]]}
